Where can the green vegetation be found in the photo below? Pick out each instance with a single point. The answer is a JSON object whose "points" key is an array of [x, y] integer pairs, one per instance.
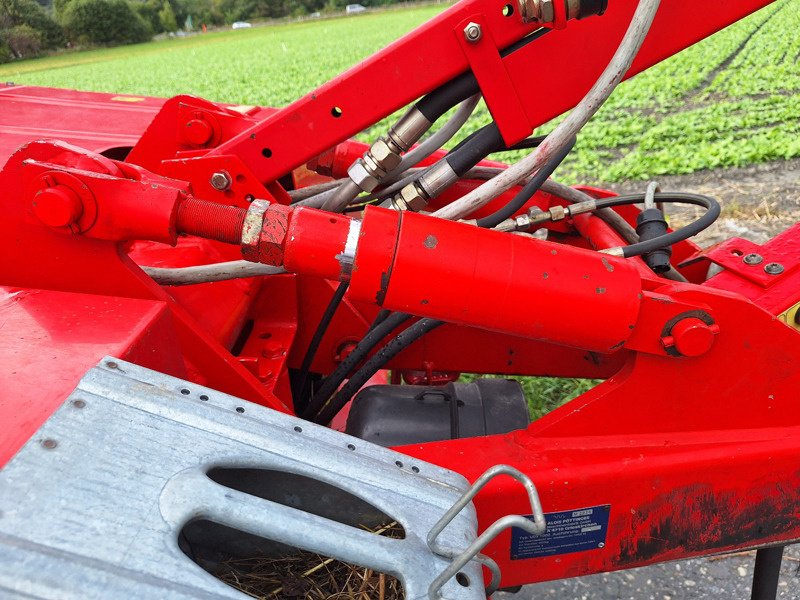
{"points": [[727, 101], [544, 393]]}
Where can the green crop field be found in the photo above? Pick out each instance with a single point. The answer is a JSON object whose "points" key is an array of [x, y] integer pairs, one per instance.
{"points": [[728, 101]]}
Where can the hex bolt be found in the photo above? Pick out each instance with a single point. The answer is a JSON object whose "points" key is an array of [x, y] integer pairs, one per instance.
{"points": [[220, 181], [752, 259], [472, 33], [773, 268]]}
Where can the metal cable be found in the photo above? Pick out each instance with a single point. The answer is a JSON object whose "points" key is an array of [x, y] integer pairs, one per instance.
{"points": [[533, 185]]}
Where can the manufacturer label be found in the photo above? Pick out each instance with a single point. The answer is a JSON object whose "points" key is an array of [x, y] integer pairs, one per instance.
{"points": [[567, 531]]}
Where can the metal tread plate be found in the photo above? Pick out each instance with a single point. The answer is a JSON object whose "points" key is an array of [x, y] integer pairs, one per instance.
{"points": [[92, 506]]}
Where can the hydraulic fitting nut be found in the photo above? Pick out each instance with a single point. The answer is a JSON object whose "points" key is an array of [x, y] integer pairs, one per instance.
{"points": [[541, 11], [411, 197], [361, 176], [386, 158]]}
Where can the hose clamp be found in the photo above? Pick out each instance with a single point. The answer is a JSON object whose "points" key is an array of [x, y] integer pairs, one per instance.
{"points": [[348, 256]]}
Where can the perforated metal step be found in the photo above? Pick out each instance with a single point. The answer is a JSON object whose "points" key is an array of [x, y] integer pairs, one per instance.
{"points": [[93, 506]]}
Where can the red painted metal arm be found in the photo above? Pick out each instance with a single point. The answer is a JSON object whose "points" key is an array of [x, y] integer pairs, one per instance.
{"points": [[548, 76]]}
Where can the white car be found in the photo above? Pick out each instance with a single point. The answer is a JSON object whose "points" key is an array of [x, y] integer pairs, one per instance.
{"points": [[241, 25], [352, 9]]}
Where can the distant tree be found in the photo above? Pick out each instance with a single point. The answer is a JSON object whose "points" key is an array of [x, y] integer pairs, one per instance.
{"points": [[23, 41], [167, 17], [104, 22], [149, 11], [28, 12]]}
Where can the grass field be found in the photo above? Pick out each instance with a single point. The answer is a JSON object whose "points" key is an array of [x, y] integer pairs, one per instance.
{"points": [[728, 101]]}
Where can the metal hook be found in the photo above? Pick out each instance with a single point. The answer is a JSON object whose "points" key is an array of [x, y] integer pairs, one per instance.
{"points": [[534, 527]]}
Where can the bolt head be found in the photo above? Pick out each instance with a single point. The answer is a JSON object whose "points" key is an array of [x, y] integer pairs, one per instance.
{"points": [[220, 181], [472, 32], [773, 268], [752, 259], [57, 206]]}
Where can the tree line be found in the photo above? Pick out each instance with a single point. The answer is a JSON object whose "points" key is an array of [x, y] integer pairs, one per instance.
{"points": [[28, 28]]}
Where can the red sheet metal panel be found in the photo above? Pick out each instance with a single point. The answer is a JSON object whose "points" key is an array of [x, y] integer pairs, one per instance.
{"points": [[90, 120], [50, 339]]}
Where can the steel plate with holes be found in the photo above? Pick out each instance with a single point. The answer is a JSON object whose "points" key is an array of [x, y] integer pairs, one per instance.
{"points": [[136, 466]]}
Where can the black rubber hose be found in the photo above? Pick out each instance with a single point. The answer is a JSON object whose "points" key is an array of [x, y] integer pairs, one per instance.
{"points": [[445, 97], [528, 143], [376, 362], [302, 378], [485, 141], [528, 190], [382, 326], [712, 213], [461, 87]]}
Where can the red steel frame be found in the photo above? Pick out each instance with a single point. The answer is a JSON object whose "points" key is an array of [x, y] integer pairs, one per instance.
{"points": [[695, 453]]}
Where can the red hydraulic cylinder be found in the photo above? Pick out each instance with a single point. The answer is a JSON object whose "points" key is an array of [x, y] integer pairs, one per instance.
{"points": [[463, 274]]}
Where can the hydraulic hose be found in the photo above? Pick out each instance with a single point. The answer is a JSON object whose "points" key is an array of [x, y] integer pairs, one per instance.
{"points": [[341, 196], [712, 213], [380, 328], [376, 362], [528, 190], [324, 323], [442, 99], [436, 140], [235, 269], [570, 126], [474, 149]]}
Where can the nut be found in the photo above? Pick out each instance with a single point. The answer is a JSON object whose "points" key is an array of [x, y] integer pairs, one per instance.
{"points": [[362, 177], [410, 198], [472, 32], [542, 11], [384, 156], [220, 181]]}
